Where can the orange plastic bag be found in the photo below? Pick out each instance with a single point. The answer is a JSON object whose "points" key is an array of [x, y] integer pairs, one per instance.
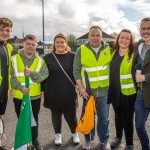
{"points": [[86, 123]]}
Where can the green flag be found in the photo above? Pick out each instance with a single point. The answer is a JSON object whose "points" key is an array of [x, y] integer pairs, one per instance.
{"points": [[23, 129]]}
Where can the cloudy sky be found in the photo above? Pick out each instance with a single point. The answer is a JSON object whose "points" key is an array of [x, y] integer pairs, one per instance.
{"points": [[73, 16]]}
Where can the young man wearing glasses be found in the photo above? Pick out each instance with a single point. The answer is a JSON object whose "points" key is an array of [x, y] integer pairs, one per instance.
{"points": [[5, 54]]}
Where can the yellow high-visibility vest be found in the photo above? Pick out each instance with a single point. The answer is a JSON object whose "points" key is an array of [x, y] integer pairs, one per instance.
{"points": [[18, 65], [97, 70], [126, 80], [9, 51]]}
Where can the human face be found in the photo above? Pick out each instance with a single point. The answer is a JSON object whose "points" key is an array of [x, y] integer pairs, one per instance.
{"points": [[145, 31], [29, 46], [60, 45], [124, 40], [95, 37], [5, 33]]}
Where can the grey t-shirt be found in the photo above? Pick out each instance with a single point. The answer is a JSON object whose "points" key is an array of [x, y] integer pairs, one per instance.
{"points": [[96, 49]]}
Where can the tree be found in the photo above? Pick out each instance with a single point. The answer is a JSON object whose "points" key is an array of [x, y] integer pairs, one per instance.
{"points": [[114, 34], [71, 39]]}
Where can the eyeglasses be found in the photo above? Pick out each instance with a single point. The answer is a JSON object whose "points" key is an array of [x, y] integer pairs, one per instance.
{"points": [[143, 29], [5, 31]]}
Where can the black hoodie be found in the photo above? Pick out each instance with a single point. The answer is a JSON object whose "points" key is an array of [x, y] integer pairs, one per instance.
{"points": [[4, 70]]}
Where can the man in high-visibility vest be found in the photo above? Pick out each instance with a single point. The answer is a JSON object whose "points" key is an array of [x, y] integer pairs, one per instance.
{"points": [[28, 63], [5, 53], [95, 57]]}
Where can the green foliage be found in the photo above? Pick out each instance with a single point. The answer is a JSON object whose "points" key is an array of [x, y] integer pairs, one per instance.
{"points": [[11, 40], [114, 34], [71, 39]]}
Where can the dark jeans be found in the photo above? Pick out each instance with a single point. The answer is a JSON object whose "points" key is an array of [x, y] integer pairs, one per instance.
{"points": [[102, 109], [141, 115], [70, 117], [124, 121], [3, 104], [35, 109]]}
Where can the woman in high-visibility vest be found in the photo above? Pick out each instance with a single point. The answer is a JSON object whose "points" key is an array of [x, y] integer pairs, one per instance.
{"points": [[122, 91]]}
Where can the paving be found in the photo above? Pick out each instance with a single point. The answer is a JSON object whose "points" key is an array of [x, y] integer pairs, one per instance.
{"points": [[46, 132]]}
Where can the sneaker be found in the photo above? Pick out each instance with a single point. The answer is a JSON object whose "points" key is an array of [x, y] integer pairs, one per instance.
{"points": [[106, 146], [37, 145], [58, 140], [3, 148], [128, 147], [75, 138], [87, 145], [115, 142]]}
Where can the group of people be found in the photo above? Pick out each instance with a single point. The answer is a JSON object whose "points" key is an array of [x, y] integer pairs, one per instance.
{"points": [[48, 78], [118, 75]]}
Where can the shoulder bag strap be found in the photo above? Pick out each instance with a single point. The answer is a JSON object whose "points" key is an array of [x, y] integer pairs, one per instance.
{"points": [[64, 70]]}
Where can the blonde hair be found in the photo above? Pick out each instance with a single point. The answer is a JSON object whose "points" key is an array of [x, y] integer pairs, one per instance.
{"points": [[60, 35]]}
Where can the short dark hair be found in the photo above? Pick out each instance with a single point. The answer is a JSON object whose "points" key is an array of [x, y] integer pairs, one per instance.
{"points": [[5, 22], [29, 37], [95, 27], [144, 20]]}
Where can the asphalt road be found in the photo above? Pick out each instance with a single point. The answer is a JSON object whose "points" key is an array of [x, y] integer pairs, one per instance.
{"points": [[46, 132]]}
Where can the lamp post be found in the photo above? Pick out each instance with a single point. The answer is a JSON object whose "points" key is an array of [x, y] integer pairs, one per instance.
{"points": [[43, 21]]}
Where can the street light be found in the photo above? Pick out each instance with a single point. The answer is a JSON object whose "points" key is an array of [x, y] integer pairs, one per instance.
{"points": [[43, 21]]}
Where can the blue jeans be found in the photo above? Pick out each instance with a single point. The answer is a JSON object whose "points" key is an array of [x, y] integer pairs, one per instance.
{"points": [[102, 109], [141, 115]]}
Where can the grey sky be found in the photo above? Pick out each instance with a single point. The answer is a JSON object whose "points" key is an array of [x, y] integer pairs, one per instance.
{"points": [[69, 16]]}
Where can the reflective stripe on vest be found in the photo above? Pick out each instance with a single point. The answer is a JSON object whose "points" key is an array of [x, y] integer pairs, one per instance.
{"points": [[97, 70], [0, 73], [35, 88], [9, 51], [127, 85]]}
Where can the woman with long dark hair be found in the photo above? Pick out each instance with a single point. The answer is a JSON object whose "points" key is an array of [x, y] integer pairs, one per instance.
{"points": [[122, 91]]}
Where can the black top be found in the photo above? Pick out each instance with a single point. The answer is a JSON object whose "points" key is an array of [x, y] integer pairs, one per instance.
{"points": [[59, 93], [4, 64], [115, 96]]}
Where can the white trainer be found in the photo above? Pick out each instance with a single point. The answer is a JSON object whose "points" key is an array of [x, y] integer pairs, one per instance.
{"points": [[75, 138], [87, 145], [106, 146], [58, 138]]}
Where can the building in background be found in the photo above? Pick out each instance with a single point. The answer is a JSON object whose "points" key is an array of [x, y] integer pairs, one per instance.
{"points": [[17, 44], [84, 38]]}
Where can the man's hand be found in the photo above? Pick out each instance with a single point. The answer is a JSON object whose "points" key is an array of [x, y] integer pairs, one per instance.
{"points": [[140, 77], [83, 93], [42, 95], [25, 90], [27, 71], [82, 90]]}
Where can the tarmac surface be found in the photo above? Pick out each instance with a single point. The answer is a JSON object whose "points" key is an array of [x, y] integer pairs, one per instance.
{"points": [[46, 132]]}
